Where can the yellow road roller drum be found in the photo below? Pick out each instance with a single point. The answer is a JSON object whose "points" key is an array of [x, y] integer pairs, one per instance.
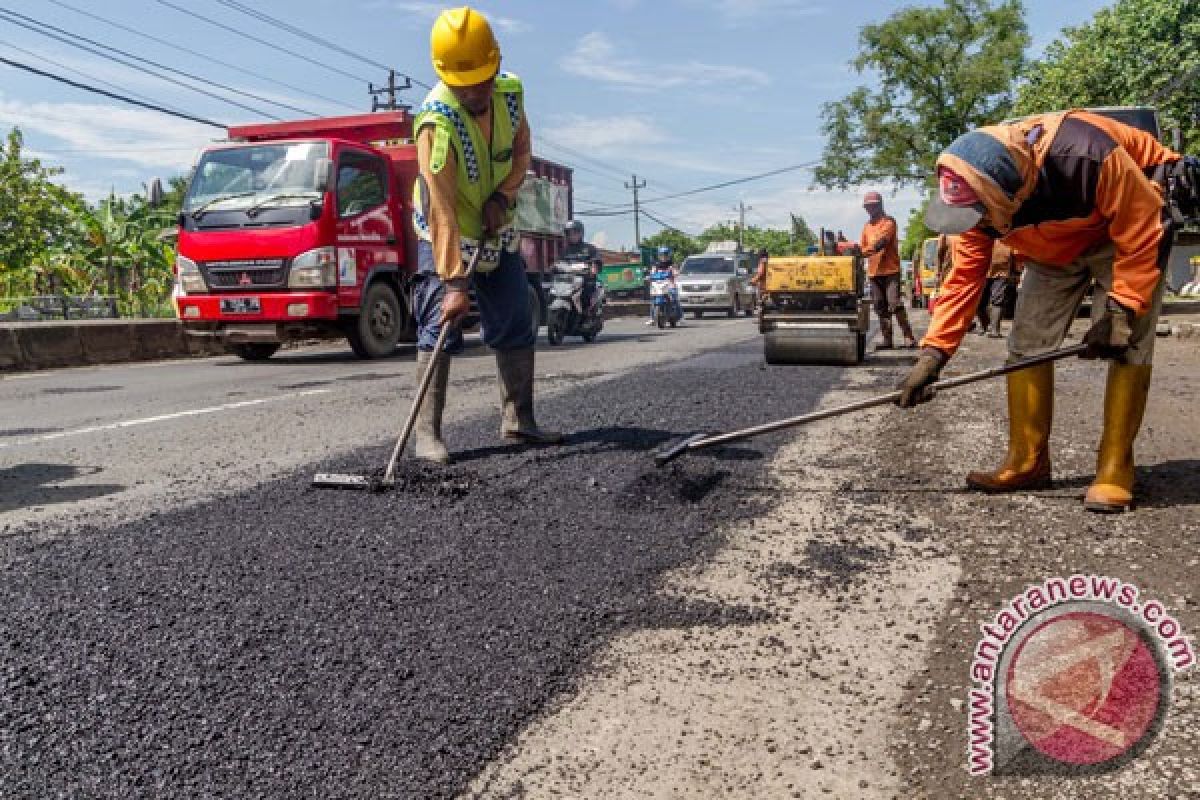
{"points": [[814, 310]]}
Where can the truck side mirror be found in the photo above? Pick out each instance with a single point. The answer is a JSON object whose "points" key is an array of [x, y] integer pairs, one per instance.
{"points": [[325, 175]]}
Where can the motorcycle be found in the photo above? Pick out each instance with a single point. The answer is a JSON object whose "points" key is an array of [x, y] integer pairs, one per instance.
{"points": [[566, 315], [664, 299]]}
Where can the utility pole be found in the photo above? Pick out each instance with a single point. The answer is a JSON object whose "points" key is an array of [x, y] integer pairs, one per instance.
{"points": [[390, 90], [637, 210], [742, 208]]}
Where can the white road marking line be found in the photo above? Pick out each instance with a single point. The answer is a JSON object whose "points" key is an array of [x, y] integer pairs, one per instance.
{"points": [[129, 423]]}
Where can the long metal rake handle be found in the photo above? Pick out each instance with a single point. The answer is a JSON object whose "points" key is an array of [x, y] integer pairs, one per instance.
{"points": [[882, 400], [389, 477]]}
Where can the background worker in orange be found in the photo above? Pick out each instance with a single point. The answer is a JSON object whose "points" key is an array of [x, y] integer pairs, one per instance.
{"points": [[1081, 197], [880, 245], [995, 292]]}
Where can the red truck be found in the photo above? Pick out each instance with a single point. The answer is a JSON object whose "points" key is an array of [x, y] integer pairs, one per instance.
{"points": [[303, 229]]}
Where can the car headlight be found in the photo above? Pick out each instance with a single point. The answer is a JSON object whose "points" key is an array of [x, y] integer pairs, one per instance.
{"points": [[191, 281], [314, 269]]}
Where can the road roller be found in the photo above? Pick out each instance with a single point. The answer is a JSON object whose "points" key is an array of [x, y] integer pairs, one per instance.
{"points": [[814, 311]]}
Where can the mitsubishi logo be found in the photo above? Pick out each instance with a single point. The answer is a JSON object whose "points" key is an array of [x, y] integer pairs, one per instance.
{"points": [[245, 279]]}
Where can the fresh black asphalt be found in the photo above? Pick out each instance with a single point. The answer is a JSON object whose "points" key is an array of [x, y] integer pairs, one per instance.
{"points": [[289, 642]]}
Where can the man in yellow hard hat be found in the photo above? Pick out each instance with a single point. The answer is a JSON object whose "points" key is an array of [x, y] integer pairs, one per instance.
{"points": [[473, 150]]}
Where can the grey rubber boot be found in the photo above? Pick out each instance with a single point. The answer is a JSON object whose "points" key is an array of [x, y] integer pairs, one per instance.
{"points": [[515, 368], [427, 442], [995, 315]]}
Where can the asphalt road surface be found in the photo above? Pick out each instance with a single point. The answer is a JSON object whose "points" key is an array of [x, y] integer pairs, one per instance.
{"points": [[793, 617]]}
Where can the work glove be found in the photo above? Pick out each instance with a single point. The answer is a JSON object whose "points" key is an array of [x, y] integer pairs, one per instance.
{"points": [[494, 212], [1109, 336], [916, 386]]}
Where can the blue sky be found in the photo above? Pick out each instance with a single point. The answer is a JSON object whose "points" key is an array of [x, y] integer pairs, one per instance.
{"points": [[685, 93]]}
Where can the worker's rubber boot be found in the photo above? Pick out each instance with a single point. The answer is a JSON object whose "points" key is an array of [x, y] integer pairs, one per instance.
{"points": [[428, 444], [516, 391], [995, 316], [910, 341], [1124, 405], [885, 332], [1030, 412]]}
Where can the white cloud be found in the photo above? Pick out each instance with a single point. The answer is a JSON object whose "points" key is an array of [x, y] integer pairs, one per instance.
{"points": [[610, 133], [595, 57], [601, 240], [89, 132], [425, 12], [745, 9]]}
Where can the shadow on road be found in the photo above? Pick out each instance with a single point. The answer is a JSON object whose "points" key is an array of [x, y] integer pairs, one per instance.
{"points": [[29, 485]]}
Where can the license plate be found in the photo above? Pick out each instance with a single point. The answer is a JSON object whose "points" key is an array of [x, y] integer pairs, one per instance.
{"points": [[240, 305]]}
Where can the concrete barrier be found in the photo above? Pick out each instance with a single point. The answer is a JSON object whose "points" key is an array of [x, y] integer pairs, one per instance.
{"points": [[50, 345], [106, 344]]}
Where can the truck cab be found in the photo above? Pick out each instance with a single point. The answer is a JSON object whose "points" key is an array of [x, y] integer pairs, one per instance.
{"points": [[300, 229]]}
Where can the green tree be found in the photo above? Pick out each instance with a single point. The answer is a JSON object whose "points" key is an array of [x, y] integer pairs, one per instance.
{"points": [[915, 231], [1136, 52], [36, 219], [941, 71], [680, 243]]}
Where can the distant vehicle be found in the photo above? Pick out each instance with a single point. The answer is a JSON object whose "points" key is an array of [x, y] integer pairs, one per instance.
{"points": [[717, 281], [925, 274]]}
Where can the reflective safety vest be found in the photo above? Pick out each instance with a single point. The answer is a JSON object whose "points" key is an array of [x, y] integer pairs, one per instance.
{"points": [[482, 165]]}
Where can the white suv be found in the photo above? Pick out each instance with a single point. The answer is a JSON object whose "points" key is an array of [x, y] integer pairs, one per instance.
{"points": [[717, 282]]}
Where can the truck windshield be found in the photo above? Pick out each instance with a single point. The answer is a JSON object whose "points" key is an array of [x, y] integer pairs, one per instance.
{"points": [[240, 178], [707, 266]]}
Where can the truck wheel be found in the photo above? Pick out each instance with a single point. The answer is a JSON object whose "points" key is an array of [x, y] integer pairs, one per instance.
{"points": [[377, 329], [258, 351]]}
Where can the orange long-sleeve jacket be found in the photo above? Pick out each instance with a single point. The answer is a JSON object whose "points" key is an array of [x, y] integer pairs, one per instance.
{"points": [[1087, 180], [885, 261]]}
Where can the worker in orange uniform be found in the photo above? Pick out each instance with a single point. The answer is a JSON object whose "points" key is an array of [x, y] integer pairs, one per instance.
{"points": [[879, 242], [995, 292], [1081, 197]]}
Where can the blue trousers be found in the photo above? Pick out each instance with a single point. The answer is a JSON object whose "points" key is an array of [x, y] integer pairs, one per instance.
{"points": [[502, 296]]}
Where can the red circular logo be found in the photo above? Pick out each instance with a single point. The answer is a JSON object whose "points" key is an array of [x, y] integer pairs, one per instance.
{"points": [[1084, 688]]}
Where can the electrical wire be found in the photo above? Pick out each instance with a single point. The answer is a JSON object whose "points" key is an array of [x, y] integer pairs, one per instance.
{"points": [[724, 184], [312, 37], [80, 73], [263, 42], [205, 56], [7, 16], [113, 95], [668, 225]]}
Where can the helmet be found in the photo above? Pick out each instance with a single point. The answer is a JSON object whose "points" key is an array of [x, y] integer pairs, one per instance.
{"points": [[574, 226], [463, 47], [664, 252], [872, 199]]}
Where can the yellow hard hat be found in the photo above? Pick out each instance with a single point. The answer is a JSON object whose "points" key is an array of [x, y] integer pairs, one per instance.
{"points": [[464, 48]]}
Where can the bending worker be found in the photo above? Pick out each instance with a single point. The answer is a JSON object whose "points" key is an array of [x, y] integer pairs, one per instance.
{"points": [[473, 150], [1081, 197], [882, 249]]}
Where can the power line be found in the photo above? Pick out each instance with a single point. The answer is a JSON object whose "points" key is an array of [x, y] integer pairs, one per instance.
{"points": [[263, 42], [312, 37], [7, 16], [726, 184], [665, 224], [198, 54], [113, 95], [80, 73]]}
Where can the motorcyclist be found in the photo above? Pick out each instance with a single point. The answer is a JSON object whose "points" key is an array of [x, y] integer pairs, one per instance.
{"points": [[665, 262], [579, 251]]}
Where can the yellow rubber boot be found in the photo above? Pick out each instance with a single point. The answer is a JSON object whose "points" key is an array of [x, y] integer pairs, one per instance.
{"points": [[1124, 406], [1030, 412]]}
